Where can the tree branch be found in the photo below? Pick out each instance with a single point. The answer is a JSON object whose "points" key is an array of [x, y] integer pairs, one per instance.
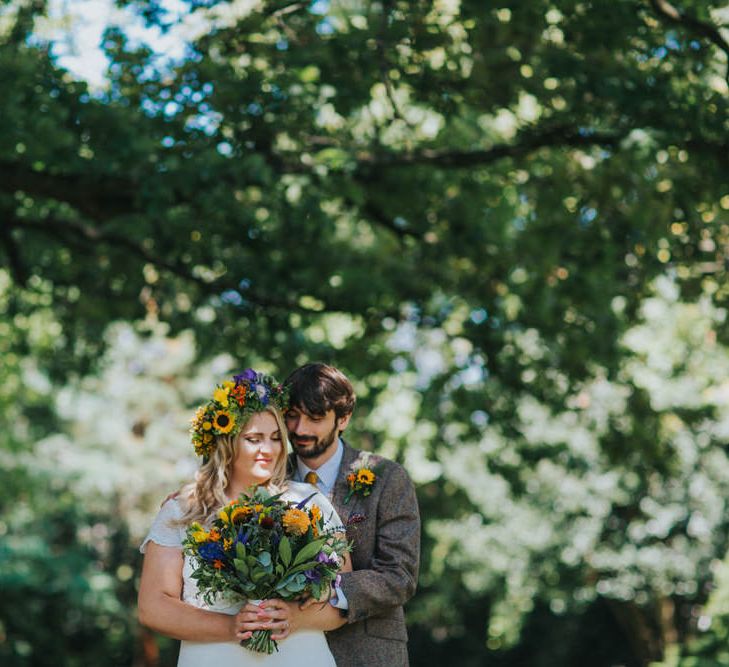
{"points": [[100, 198], [377, 216], [104, 198], [279, 12], [555, 137], [708, 30], [63, 229]]}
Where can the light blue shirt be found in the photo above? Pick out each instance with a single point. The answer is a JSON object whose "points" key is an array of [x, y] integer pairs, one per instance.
{"points": [[327, 473]]}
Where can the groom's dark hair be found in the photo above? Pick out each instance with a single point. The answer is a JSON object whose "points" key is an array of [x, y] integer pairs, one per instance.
{"points": [[317, 388]]}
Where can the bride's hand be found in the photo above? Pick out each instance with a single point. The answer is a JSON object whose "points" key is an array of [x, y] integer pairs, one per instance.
{"points": [[275, 615], [238, 633]]}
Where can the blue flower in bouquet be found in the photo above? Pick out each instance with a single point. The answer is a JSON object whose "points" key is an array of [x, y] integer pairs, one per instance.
{"points": [[212, 551]]}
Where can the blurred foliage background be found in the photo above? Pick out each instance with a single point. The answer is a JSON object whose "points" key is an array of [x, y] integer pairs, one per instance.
{"points": [[507, 221]]}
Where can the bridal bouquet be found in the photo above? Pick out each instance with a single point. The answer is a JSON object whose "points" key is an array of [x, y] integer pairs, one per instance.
{"points": [[260, 547]]}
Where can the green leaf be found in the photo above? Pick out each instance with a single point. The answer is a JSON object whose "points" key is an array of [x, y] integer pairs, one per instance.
{"points": [[303, 566], [258, 575], [284, 551], [241, 566], [309, 551], [294, 584]]}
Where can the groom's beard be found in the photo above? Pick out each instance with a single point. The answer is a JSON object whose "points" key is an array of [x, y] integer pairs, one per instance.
{"points": [[307, 450]]}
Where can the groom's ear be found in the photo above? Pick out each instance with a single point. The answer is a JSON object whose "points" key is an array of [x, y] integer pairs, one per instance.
{"points": [[343, 422]]}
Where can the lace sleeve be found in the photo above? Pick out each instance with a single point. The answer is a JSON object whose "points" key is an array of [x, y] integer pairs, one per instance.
{"points": [[163, 531]]}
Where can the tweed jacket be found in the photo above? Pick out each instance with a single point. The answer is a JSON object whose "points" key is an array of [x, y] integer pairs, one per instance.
{"points": [[384, 529]]}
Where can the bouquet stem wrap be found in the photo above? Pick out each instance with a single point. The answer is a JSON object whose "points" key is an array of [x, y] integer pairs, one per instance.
{"points": [[260, 641]]}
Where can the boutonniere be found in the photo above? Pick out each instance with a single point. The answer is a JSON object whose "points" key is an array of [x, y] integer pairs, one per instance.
{"points": [[361, 480]]}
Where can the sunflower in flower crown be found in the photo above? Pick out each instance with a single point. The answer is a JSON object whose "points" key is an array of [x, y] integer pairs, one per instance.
{"points": [[232, 404]]}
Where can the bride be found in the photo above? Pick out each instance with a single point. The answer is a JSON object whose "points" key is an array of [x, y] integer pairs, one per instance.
{"points": [[242, 436]]}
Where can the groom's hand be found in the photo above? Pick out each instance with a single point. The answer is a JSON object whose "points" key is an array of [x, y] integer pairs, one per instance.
{"points": [[309, 601]]}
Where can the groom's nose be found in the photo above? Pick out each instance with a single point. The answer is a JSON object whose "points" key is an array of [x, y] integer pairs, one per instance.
{"points": [[297, 427], [305, 423]]}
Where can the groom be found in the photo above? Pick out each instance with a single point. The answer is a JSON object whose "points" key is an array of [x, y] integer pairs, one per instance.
{"points": [[376, 501]]}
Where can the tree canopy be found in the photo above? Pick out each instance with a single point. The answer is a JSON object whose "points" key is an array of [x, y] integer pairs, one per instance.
{"points": [[508, 222]]}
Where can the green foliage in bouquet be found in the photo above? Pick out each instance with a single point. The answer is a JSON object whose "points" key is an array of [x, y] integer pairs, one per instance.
{"points": [[260, 547]]}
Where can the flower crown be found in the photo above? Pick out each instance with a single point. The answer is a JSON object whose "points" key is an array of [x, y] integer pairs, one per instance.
{"points": [[232, 405]]}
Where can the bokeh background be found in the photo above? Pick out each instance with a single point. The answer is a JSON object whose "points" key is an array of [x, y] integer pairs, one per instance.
{"points": [[507, 221]]}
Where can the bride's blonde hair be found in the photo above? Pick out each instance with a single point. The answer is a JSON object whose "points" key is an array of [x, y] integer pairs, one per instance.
{"points": [[202, 498]]}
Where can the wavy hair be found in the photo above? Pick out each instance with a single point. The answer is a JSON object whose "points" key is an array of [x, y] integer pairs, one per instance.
{"points": [[202, 498]]}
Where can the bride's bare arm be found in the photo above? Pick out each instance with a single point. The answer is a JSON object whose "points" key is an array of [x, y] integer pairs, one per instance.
{"points": [[160, 606]]}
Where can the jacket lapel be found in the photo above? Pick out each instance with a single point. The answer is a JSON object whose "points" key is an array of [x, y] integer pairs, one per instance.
{"points": [[341, 488]]}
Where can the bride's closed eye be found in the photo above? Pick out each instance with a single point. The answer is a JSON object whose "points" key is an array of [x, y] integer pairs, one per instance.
{"points": [[256, 439]]}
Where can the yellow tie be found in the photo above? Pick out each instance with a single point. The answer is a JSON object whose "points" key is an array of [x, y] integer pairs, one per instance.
{"points": [[311, 478]]}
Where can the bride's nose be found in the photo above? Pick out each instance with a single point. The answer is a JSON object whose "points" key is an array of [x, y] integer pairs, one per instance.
{"points": [[268, 445]]}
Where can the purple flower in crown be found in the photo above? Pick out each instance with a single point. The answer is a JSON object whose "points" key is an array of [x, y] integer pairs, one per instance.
{"points": [[248, 375]]}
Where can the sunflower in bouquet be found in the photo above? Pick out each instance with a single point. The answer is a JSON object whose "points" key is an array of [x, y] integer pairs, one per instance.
{"points": [[259, 547]]}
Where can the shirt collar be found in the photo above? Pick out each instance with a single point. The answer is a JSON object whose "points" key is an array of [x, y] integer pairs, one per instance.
{"points": [[327, 472]]}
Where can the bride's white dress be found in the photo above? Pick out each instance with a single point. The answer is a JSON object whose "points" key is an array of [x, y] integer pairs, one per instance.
{"points": [[307, 647]]}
